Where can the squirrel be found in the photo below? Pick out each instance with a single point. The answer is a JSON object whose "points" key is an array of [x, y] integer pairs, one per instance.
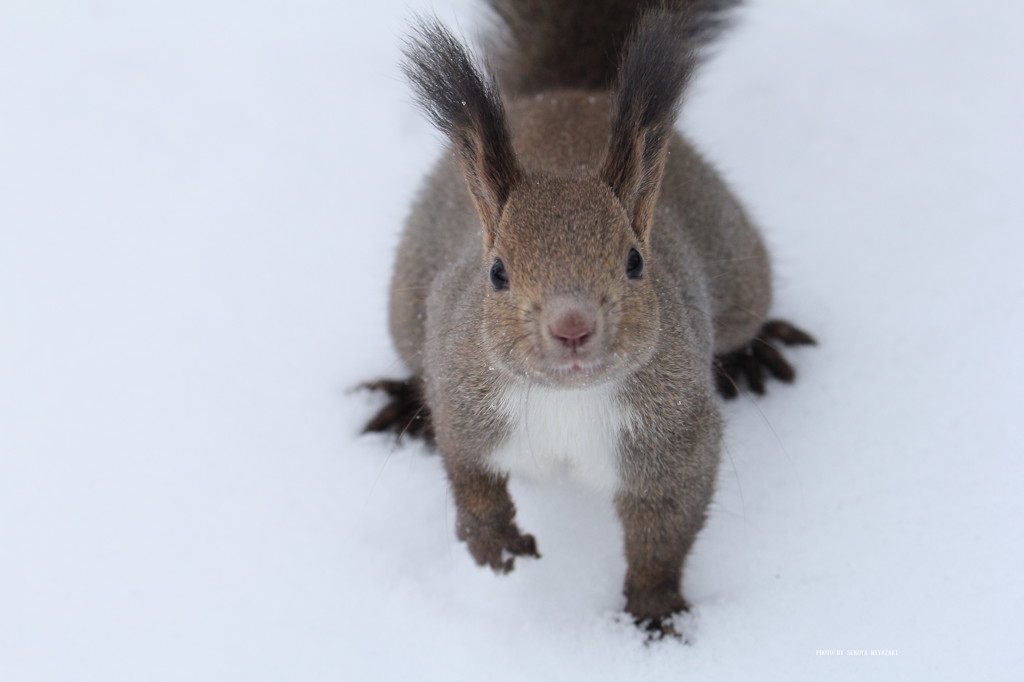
{"points": [[575, 283]]}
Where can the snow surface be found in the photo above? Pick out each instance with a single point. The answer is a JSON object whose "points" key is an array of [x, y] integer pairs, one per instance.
{"points": [[199, 203]]}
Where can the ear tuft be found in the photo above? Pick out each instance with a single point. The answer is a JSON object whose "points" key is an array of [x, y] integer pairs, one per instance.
{"points": [[658, 61], [462, 101]]}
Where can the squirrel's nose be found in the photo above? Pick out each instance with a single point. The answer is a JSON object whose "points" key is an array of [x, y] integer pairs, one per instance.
{"points": [[573, 328]]}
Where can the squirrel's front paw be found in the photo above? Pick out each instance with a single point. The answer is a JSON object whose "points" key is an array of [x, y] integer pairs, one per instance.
{"points": [[496, 545], [760, 353], [653, 611]]}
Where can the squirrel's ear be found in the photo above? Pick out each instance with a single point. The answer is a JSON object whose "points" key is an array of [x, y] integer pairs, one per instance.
{"points": [[462, 101], [652, 75]]}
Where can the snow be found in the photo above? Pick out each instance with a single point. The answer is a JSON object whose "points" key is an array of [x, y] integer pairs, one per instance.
{"points": [[199, 203]]}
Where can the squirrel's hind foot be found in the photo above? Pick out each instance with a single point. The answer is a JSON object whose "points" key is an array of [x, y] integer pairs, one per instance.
{"points": [[406, 413], [760, 353]]}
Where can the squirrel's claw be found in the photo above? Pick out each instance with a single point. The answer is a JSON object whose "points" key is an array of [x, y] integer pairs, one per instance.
{"points": [[759, 354], [787, 333], [658, 629]]}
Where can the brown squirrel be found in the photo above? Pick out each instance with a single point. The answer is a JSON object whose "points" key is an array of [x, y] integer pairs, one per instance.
{"points": [[575, 281]]}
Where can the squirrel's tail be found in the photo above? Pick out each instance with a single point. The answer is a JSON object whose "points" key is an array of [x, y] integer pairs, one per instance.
{"points": [[577, 44]]}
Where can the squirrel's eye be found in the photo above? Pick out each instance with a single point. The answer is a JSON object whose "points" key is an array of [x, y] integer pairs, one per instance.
{"points": [[634, 265], [499, 278]]}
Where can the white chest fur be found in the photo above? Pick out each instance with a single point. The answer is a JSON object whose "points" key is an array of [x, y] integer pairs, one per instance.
{"points": [[558, 433]]}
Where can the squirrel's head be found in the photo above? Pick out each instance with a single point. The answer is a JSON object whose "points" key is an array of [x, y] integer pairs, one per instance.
{"points": [[567, 265], [568, 290]]}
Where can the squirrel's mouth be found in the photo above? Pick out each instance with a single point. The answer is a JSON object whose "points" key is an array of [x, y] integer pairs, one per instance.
{"points": [[574, 370], [577, 367]]}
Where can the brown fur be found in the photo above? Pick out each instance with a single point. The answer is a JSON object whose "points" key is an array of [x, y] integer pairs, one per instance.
{"points": [[560, 189]]}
